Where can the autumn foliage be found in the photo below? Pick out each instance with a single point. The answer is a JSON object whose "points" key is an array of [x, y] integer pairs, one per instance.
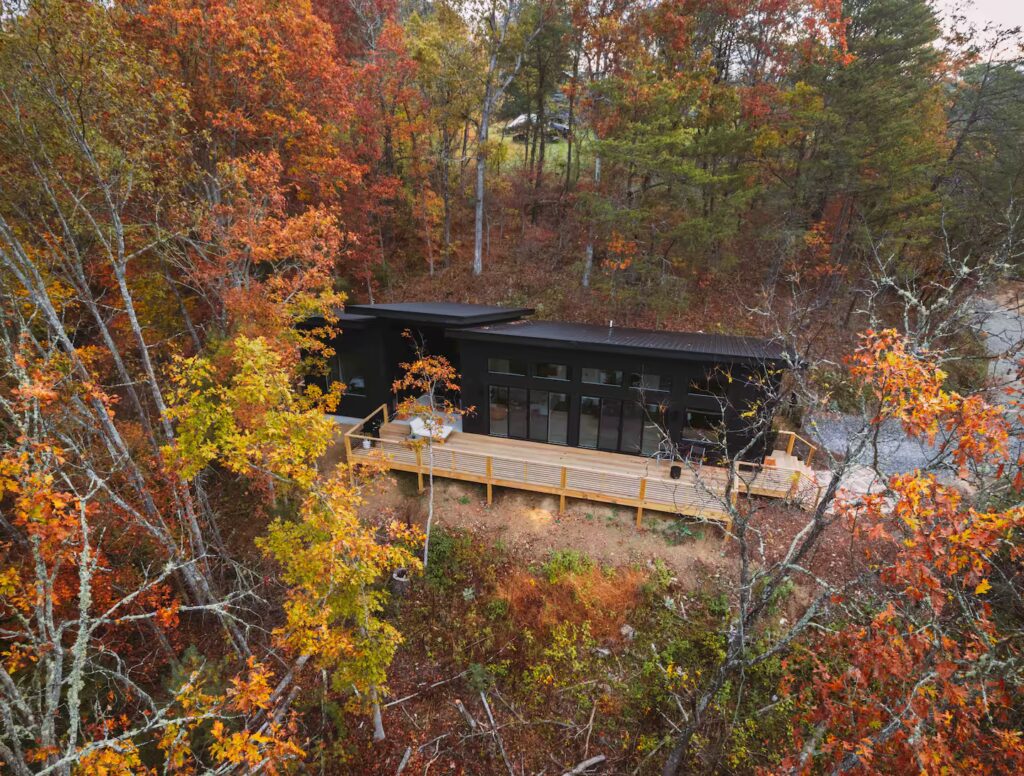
{"points": [[914, 681], [193, 189]]}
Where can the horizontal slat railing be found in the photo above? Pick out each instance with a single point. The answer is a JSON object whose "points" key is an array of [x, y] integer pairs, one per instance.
{"points": [[699, 493]]}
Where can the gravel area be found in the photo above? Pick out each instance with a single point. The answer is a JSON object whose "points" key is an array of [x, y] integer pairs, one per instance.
{"points": [[1001, 319]]}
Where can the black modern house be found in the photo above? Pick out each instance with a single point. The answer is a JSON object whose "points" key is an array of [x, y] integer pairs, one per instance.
{"points": [[600, 387]]}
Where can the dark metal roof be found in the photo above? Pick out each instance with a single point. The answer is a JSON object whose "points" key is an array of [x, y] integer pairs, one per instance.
{"points": [[665, 344], [345, 319], [354, 318], [441, 313]]}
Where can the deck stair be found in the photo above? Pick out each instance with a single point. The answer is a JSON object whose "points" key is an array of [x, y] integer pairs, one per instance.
{"points": [[396, 430]]}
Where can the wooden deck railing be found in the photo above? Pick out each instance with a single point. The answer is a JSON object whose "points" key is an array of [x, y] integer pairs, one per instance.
{"points": [[797, 446], [697, 492], [353, 433]]}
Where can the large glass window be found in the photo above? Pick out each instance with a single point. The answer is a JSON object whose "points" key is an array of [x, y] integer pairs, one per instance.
{"points": [[539, 415], [590, 420], [517, 409], [611, 416], [632, 427], [542, 416], [649, 383], [714, 383], [702, 425], [623, 426], [349, 370], [654, 424], [498, 410], [558, 418], [601, 376], [552, 371], [506, 366]]}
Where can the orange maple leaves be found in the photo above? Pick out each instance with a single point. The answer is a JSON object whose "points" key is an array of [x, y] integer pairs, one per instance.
{"points": [[241, 723], [915, 686], [909, 387]]}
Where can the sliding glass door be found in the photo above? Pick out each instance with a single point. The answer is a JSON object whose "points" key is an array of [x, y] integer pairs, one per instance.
{"points": [[624, 426], [542, 416]]}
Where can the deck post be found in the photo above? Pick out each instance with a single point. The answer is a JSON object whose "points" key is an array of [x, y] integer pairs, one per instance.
{"points": [[640, 503], [490, 488], [384, 407], [561, 498], [419, 468], [792, 441], [348, 460], [810, 456]]}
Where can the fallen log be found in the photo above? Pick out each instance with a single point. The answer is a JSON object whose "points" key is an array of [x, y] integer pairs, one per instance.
{"points": [[586, 765]]}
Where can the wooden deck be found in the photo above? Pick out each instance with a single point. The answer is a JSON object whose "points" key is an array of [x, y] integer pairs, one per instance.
{"points": [[571, 472]]}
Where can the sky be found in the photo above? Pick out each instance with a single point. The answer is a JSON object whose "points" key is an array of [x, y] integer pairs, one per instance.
{"points": [[1008, 13]]}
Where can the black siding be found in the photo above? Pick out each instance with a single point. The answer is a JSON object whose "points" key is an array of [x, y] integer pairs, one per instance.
{"points": [[743, 392]]}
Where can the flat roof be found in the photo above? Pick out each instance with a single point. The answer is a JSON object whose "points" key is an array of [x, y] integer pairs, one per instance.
{"points": [[442, 313], [354, 318], [689, 346], [345, 320]]}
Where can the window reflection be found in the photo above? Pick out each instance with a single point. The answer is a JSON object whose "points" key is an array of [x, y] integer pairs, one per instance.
{"points": [[601, 376], [498, 410], [590, 420], [506, 366], [558, 418], [553, 371], [517, 413]]}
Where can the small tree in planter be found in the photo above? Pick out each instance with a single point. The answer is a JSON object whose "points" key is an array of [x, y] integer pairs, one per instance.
{"points": [[433, 379]]}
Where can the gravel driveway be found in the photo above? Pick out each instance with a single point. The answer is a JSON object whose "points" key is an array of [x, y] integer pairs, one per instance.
{"points": [[1001, 319]]}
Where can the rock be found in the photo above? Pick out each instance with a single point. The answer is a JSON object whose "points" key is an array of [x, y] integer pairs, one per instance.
{"points": [[628, 632], [602, 652]]}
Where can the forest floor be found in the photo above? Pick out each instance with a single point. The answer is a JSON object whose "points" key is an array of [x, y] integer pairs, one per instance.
{"points": [[560, 628], [529, 527]]}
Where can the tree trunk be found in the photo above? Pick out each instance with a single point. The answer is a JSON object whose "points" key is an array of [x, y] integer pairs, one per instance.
{"points": [[481, 163], [446, 196], [430, 494], [572, 121], [378, 720], [588, 258], [539, 171]]}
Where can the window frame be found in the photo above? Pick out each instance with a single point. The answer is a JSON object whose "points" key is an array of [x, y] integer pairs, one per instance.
{"points": [[705, 382], [510, 362], [662, 380], [602, 371], [564, 367], [357, 362]]}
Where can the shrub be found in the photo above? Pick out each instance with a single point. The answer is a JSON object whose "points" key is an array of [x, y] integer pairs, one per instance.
{"points": [[566, 660], [561, 563], [451, 559], [590, 594]]}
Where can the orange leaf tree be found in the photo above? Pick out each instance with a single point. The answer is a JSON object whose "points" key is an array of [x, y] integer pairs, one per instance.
{"points": [[425, 391], [170, 212], [920, 673]]}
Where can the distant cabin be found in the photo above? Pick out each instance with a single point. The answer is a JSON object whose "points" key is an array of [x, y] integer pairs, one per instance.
{"points": [[606, 388]]}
